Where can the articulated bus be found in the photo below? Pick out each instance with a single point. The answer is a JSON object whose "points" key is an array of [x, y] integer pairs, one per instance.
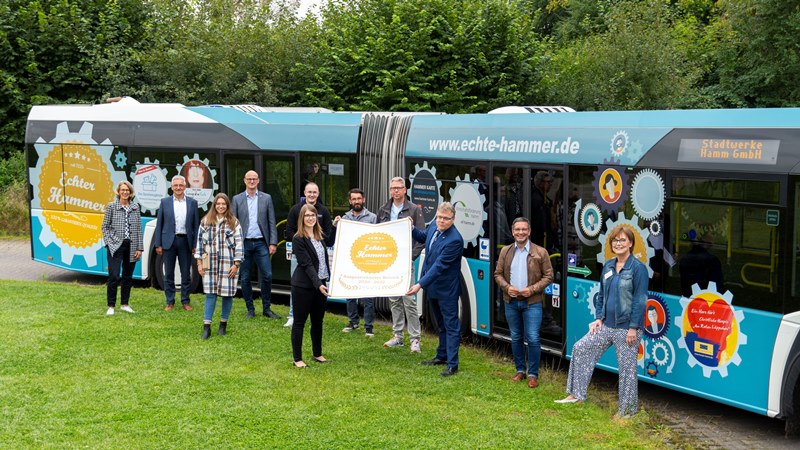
{"points": [[713, 196]]}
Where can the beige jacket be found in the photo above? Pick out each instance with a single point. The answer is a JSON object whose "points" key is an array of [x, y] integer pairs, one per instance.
{"points": [[540, 271]]}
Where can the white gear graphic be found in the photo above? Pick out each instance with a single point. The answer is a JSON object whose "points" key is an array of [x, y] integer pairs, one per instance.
{"points": [[727, 297], [655, 228], [641, 240], [429, 203], [587, 229], [470, 211], [576, 219], [647, 194], [214, 187], [104, 150], [136, 167], [619, 143]]}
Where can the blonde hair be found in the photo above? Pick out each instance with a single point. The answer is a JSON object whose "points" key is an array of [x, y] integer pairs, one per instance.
{"points": [[316, 233], [126, 183]]}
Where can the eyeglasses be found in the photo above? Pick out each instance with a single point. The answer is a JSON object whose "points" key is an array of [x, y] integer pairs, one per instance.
{"points": [[309, 215], [446, 219], [397, 188], [619, 241], [251, 179]]}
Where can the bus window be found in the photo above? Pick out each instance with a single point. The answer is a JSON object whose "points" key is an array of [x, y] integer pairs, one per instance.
{"points": [[793, 301], [731, 245], [334, 174]]}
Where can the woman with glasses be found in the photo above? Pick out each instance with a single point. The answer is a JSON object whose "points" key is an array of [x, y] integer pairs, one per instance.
{"points": [[122, 233], [309, 292], [619, 314]]}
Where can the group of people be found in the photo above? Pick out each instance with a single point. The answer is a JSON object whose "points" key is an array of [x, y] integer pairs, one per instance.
{"points": [[231, 237]]}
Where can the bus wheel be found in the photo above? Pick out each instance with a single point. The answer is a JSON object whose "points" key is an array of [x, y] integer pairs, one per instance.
{"points": [[158, 272]]}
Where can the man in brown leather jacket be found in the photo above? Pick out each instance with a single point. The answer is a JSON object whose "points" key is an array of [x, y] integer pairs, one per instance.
{"points": [[523, 271]]}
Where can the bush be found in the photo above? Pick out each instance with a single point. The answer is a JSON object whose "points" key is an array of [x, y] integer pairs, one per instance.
{"points": [[12, 170], [14, 213]]}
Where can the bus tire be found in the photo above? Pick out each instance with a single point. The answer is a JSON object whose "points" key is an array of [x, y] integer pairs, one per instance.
{"points": [[158, 272], [382, 305]]}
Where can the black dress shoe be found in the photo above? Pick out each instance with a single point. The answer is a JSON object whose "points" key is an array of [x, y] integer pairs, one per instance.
{"points": [[434, 362], [271, 315], [449, 372], [250, 314]]}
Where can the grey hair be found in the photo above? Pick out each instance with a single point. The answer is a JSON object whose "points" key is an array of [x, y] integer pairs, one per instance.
{"points": [[179, 177]]}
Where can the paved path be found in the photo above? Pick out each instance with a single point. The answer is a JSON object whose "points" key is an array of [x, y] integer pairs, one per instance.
{"points": [[704, 424]]}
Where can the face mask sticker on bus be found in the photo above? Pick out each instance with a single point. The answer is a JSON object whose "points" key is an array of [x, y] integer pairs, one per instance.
{"points": [[201, 182], [73, 181], [150, 184], [711, 330], [470, 213], [425, 191]]}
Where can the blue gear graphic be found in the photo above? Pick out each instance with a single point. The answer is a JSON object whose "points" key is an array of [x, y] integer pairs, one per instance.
{"points": [[635, 151], [651, 370], [667, 316], [120, 160]]}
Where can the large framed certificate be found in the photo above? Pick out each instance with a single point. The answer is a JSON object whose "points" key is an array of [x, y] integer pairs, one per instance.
{"points": [[371, 260]]}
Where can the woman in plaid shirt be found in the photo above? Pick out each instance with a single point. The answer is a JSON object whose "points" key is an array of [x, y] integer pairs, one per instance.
{"points": [[122, 233], [220, 237]]}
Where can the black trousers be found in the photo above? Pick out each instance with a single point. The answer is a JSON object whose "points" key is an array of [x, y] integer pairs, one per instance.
{"points": [[307, 303], [120, 259]]}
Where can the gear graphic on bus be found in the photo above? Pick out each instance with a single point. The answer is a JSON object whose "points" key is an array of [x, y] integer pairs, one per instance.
{"points": [[651, 369], [470, 209], [610, 186], [641, 357], [425, 190], [635, 151], [663, 353], [641, 248], [590, 219], [711, 330], [150, 184], [656, 316], [73, 180], [593, 293], [648, 194], [201, 179], [619, 143], [120, 160]]}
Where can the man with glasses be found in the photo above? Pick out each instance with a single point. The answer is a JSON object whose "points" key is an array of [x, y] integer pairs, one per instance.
{"points": [[404, 308], [440, 276], [256, 215], [523, 271]]}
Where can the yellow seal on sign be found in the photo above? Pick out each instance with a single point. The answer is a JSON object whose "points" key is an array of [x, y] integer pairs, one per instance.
{"points": [[374, 252]]}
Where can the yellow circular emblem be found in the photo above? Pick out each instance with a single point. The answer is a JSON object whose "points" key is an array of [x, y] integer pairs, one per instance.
{"points": [[374, 252]]}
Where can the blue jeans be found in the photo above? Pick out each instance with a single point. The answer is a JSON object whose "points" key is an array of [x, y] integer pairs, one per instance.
{"points": [[182, 250], [211, 304], [525, 320], [369, 312], [256, 250], [446, 312]]}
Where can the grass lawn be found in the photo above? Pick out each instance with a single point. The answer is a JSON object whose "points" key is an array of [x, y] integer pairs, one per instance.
{"points": [[70, 376]]}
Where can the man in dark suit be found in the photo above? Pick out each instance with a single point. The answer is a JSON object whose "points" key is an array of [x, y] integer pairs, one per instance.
{"points": [[256, 215], [177, 222], [441, 279]]}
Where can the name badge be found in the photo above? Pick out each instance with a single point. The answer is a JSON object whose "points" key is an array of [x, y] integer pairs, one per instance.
{"points": [[608, 275]]}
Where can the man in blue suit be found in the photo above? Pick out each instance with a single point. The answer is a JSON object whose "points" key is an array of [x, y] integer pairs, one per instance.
{"points": [[440, 277], [256, 215], [177, 222]]}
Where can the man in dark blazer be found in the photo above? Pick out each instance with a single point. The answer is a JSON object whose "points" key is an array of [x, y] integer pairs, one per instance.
{"points": [[177, 223], [441, 278], [256, 215]]}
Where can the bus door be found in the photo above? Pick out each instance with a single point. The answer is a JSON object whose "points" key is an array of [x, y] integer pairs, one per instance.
{"points": [[277, 178], [536, 193]]}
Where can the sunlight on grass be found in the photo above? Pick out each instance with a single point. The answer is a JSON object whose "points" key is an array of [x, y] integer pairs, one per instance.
{"points": [[73, 377]]}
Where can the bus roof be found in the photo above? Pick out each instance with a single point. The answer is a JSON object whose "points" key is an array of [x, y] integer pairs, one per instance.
{"points": [[176, 125], [752, 140]]}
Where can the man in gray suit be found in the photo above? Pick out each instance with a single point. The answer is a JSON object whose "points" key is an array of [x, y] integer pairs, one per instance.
{"points": [[256, 215]]}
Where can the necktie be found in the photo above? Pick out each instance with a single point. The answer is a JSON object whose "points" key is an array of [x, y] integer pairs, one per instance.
{"points": [[435, 236]]}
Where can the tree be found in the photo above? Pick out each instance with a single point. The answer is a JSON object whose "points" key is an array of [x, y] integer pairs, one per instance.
{"points": [[419, 55]]}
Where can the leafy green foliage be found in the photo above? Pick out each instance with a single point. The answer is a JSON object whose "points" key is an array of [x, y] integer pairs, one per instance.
{"points": [[74, 377]]}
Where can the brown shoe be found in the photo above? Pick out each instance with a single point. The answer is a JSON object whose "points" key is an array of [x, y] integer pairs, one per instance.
{"points": [[187, 307], [518, 377], [533, 382], [169, 307]]}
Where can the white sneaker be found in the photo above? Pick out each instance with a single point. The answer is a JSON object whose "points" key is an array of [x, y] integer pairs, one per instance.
{"points": [[126, 308], [289, 322], [349, 328], [415, 346], [110, 311], [394, 342]]}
